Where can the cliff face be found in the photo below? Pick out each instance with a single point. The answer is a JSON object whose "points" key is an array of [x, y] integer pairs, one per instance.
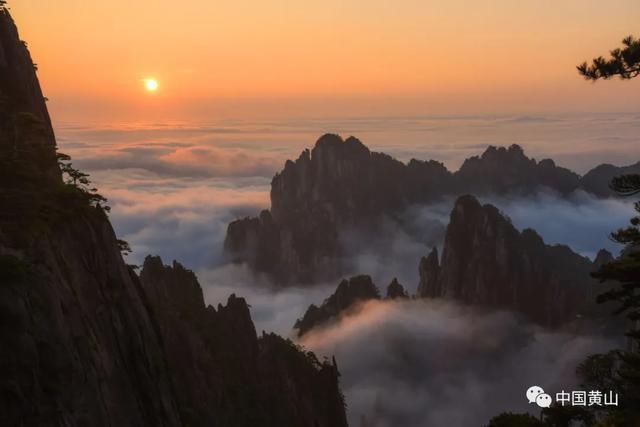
{"points": [[19, 87], [341, 183], [225, 374], [79, 344], [86, 342], [429, 272], [486, 261], [28, 163]]}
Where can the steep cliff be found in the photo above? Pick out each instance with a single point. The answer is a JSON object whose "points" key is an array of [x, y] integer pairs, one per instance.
{"points": [[429, 272], [487, 261], [343, 184], [86, 342], [224, 372], [337, 183]]}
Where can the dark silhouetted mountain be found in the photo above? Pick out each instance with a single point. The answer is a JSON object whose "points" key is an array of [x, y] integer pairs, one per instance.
{"points": [[235, 377], [348, 294], [603, 257], [396, 291], [486, 261], [508, 171], [85, 342], [342, 184], [597, 180], [429, 271]]}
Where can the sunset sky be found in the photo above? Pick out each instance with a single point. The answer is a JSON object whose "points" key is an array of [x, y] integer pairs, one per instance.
{"points": [[336, 57]]}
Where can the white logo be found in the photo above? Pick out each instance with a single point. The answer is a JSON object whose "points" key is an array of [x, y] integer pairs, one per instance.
{"points": [[533, 392], [543, 400]]}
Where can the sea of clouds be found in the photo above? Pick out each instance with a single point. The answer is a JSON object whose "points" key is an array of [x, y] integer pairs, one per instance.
{"points": [[174, 188], [433, 363]]}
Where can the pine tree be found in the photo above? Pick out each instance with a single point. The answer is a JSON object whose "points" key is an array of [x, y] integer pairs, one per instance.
{"points": [[80, 181], [623, 63], [622, 367]]}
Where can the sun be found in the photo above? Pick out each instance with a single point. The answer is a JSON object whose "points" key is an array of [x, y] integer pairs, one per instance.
{"points": [[151, 85]]}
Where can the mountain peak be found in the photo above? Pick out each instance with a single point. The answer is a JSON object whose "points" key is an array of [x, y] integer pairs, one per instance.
{"points": [[487, 261], [342, 183], [395, 290], [347, 295]]}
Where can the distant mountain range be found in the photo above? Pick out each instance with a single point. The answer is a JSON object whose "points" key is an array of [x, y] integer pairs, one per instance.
{"points": [[487, 262], [342, 183]]}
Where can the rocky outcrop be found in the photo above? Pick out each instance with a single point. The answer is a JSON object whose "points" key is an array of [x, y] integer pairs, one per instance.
{"points": [[235, 377], [348, 294], [501, 170], [20, 93], [27, 145], [341, 183], [396, 291], [486, 261], [85, 342], [429, 272]]}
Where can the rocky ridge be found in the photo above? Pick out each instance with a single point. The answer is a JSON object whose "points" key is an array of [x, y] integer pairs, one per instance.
{"points": [[346, 298], [341, 183], [486, 261]]}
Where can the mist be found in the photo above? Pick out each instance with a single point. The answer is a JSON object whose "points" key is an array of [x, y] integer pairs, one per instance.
{"points": [[392, 246], [433, 363]]}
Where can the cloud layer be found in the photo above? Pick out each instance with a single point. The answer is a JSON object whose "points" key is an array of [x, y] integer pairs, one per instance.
{"points": [[392, 247], [431, 363], [186, 221]]}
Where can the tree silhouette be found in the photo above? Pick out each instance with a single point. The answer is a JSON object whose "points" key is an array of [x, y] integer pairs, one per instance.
{"points": [[621, 369], [80, 181], [624, 63], [124, 247]]}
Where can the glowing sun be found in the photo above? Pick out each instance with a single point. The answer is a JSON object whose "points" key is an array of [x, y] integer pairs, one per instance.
{"points": [[151, 85]]}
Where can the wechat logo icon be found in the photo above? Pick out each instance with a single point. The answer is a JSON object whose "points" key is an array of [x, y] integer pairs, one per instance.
{"points": [[536, 394]]}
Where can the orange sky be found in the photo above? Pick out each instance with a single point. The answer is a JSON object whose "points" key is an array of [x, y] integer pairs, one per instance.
{"points": [[335, 57]]}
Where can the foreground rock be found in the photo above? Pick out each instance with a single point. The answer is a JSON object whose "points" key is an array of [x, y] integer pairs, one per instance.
{"points": [[235, 377], [85, 342], [486, 261], [341, 183]]}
